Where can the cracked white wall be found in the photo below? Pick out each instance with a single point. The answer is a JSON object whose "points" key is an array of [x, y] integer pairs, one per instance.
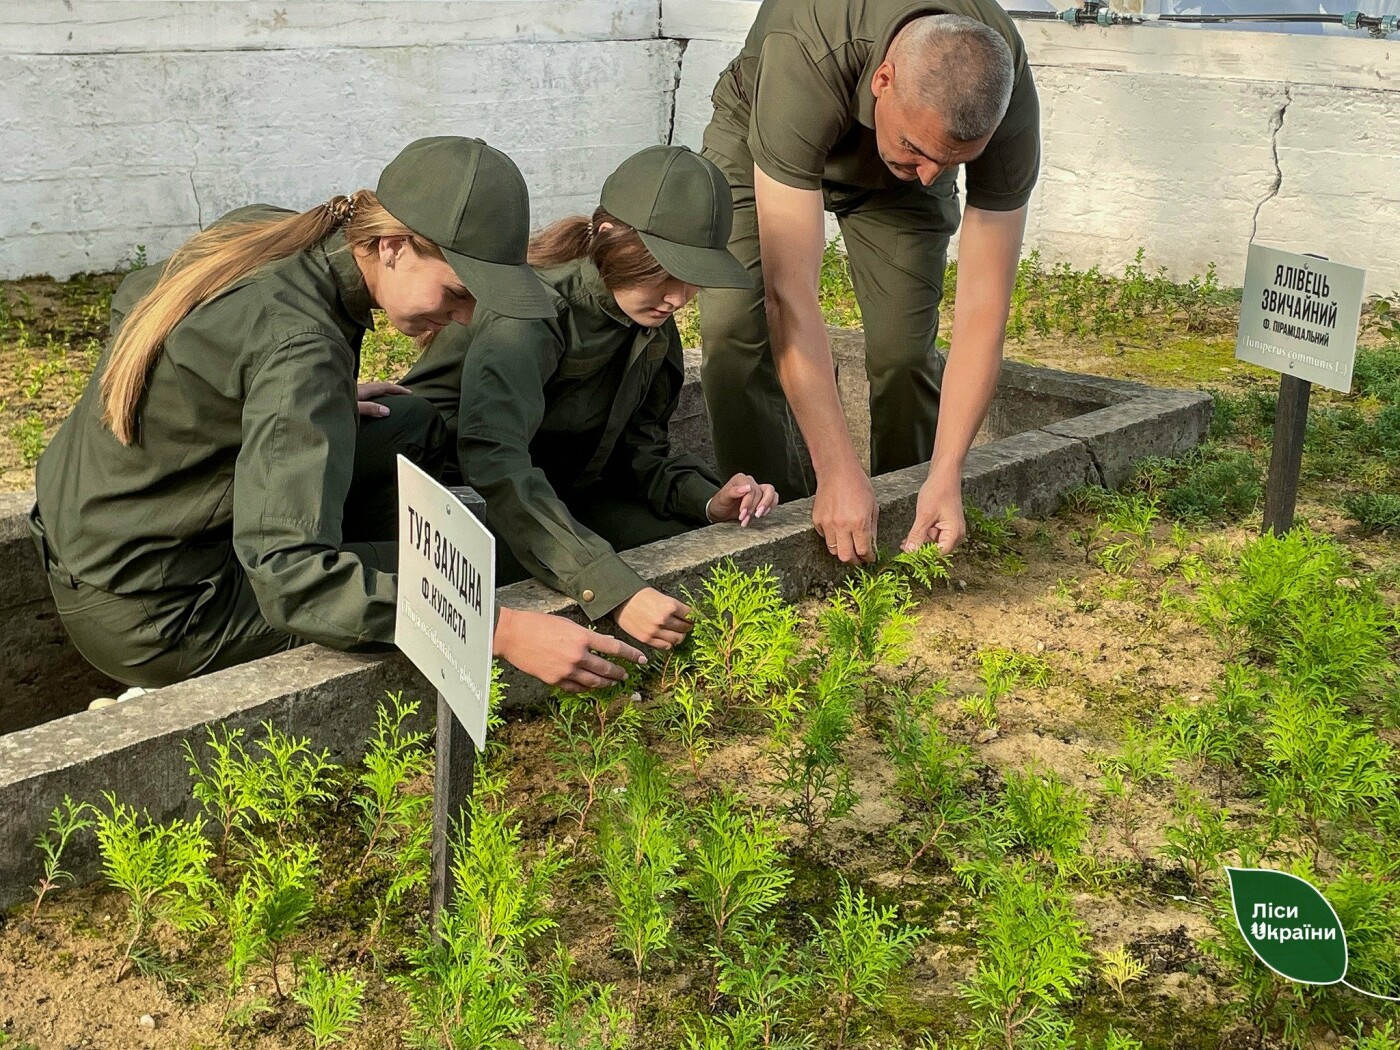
{"points": [[1168, 140], [105, 152], [126, 123]]}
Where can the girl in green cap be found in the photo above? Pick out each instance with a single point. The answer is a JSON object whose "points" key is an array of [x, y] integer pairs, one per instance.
{"points": [[216, 495], [561, 421]]}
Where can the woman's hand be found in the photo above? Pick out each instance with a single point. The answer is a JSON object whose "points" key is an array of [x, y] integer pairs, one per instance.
{"points": [[742, 499], [559, 652], [654, 619], [364, 392]]}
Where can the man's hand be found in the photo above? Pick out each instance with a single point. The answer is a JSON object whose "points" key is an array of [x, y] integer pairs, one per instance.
{"points": [[846, 514], [938, 516], [654, 619], [742, 499], [364, 392], [559, 652]]}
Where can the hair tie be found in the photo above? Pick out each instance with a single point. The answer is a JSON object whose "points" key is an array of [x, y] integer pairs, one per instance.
{"points": [[341, 209], [591, 231]]}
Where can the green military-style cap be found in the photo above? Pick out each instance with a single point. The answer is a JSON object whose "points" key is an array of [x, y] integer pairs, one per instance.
{"points": [[470, 200], [680, 205]]}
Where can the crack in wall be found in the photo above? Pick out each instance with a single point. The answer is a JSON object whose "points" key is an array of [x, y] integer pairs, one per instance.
{"points": [[194, 166], [1275, 126], [1088, 450], [1094, 462], [670, 139]]}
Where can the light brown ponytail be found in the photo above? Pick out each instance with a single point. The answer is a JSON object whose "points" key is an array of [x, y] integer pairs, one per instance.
{"points": [[619, 254], [210, 262]]}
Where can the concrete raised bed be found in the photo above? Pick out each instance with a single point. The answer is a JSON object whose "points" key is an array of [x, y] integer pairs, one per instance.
{"points": [[1048, 432]]}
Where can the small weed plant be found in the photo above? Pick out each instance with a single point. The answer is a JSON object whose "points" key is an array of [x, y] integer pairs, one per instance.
{"points": [[67, 819]]}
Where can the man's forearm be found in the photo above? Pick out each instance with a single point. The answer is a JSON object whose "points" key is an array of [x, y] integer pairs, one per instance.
{"points": [[988, 254], [802, 356], [969, 384]]}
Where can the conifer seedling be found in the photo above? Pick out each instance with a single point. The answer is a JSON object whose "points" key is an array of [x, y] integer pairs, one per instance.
{"points": [[1031, 958], [271, 901], [591, 735], [813, 773], [583, 1015], [162, 868], [758, 973], [736, 869], [334, 1002], [859, 948], [640, 845]]}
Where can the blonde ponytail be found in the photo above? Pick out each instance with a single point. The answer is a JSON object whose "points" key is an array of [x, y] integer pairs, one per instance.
{"points": [[211, 261]]}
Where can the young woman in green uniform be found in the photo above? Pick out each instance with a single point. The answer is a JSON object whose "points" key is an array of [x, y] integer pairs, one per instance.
{"points": [[561, 421], [214, 497]]}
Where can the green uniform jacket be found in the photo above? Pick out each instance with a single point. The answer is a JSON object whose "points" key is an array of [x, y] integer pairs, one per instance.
{"points": [[257, 387], [797, 101], [557, 406]]}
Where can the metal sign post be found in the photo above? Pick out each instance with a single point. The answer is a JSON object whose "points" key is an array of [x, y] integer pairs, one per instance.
{"points": [[446, 613], [1299, 316]]}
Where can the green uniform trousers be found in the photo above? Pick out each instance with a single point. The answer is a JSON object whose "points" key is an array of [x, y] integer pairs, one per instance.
{"points": [[158, 638], [624, 521], [896, 242]]}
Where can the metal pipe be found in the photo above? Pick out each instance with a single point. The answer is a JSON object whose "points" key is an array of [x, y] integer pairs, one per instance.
{"points": [[1097, 12]]}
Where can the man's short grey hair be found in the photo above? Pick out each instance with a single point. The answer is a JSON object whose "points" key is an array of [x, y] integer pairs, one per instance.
{"points": [[958, 66]]}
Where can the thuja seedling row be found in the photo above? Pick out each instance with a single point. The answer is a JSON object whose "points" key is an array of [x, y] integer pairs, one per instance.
{"points": [[691, 873]]}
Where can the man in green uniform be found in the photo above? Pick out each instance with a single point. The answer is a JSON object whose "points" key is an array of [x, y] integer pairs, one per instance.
{"points": [[867, 108]]}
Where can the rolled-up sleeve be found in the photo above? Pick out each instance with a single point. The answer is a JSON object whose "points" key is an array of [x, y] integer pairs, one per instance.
{"points": [[1004, 176], [290, 483], [504, 374], [798, 114]]}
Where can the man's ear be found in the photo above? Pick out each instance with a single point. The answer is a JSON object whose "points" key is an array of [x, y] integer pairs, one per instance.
{"points": [[883, 80]]}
